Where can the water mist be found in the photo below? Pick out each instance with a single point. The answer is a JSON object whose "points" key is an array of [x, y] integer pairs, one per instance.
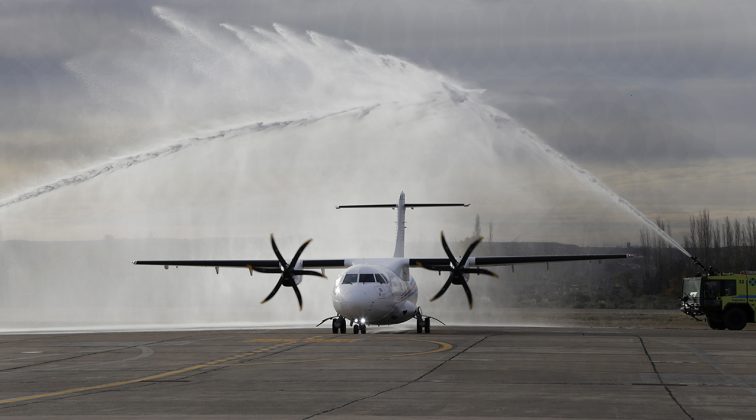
{"points": [[230, 133]]}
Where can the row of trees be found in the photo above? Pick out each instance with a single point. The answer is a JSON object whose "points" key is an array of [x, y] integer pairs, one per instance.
{"points": [[726, 245]]}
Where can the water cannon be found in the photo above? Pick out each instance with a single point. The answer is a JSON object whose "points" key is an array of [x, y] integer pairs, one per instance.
{"points": [[708, 271]]}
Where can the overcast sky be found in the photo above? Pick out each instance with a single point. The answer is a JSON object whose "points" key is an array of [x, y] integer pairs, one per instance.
{"points": [[656, 98]]}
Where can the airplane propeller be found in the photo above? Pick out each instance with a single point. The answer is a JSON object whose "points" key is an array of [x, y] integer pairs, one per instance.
{"points": [[288, 271], [457, 270]]}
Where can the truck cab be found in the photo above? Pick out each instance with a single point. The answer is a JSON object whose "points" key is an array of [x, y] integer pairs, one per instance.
{"points": [[728, 301]]}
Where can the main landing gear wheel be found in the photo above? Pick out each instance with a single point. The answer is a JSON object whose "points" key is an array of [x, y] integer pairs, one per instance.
{"points": [[356, 328], [338, 325], [363, 328], [423, 324]]}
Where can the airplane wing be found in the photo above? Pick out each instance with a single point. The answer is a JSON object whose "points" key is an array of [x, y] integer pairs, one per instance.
{"points": [[248, 264], [287, 270], [460, 269], [432, 263]]}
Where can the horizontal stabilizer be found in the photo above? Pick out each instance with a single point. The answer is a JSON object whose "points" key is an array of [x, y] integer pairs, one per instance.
{"points": [[408, 205]]}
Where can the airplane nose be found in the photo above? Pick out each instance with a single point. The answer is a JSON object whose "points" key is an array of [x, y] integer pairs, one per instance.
{"points": [[356, 301], [355, 297]]}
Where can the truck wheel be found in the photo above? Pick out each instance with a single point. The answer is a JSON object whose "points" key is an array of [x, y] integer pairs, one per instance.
{"points": [[715, 323], [735, 319]]}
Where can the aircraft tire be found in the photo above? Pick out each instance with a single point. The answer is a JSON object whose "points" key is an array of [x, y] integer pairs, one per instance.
{"points": [[363, 328], [735, 319], [342, 325], [335, 324], [356, 329], [426, 325], [419, 326]]}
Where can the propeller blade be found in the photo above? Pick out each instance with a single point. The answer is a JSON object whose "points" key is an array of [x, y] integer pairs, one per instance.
{"points": [[287, 271], [448, 250], [299, 252], [309, 273], [299, 295], [280, 257], [458, 270], [275, 290], [443, 289], [469, 251], [468, 293]]}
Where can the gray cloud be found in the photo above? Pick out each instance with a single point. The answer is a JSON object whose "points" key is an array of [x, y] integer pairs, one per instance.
{"points": [[604, 82]]}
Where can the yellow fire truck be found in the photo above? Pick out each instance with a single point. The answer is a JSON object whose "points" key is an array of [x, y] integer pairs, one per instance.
{"points": [[728, 301]]}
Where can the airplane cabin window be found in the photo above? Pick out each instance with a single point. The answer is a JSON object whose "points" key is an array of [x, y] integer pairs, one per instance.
{"points": [[349, 279], [367, 278]]}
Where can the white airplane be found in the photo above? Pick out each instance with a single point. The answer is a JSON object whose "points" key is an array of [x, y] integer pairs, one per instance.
{"points": [[379, 291]]}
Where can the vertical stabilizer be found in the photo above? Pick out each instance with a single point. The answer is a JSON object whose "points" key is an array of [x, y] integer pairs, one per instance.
{"points": [[400, 207], [400, 227]]}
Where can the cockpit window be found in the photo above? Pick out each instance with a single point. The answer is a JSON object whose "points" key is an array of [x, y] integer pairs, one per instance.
{"points": [[367, 278], [381, 278], [349, 279]]}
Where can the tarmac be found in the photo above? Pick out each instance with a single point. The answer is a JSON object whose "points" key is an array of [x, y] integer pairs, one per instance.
{"points": [[455, 372]]}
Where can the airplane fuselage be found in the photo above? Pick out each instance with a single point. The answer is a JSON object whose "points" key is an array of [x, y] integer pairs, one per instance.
{"points": [[380, 291]]}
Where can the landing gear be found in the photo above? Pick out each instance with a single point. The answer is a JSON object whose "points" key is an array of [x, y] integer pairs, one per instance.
{"points": [[359, 326], [423, 324], [338, 325]]}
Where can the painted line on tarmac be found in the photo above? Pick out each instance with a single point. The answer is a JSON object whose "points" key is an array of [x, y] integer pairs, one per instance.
{"points": [[225, 361], [441, 347], [150, 378]]}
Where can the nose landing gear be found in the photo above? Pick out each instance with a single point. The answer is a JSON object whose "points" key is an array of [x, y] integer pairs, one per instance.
{"points": [[359, 326], [424, 322]]}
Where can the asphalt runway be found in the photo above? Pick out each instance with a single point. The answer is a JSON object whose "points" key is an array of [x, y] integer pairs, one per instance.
{"points": [[459, 372]]}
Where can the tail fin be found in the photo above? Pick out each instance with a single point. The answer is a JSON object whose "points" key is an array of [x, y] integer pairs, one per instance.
{"points": [[400, 223]]}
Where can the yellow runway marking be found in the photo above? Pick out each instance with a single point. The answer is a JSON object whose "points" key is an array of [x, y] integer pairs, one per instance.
{"points": [[226, 361], [442, 346], [270, 340], [316, 339]]}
